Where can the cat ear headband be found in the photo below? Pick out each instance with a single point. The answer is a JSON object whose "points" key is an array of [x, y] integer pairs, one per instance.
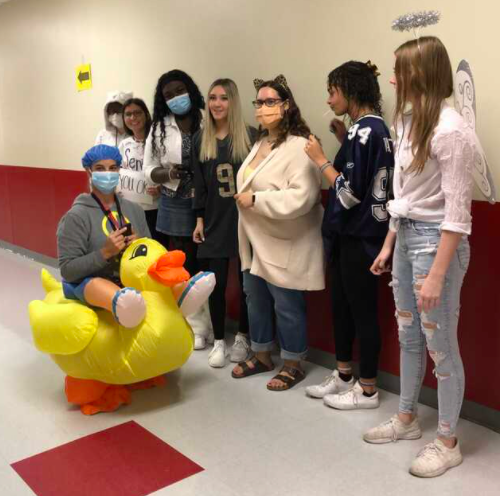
{"points": [[280, 79]]}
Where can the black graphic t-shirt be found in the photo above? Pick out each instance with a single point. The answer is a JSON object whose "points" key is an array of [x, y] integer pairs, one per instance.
{"points": [[185, 190]]}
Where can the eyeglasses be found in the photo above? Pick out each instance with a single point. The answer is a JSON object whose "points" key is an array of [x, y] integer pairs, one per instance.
{"points": [[134, 113], [268, 102]]}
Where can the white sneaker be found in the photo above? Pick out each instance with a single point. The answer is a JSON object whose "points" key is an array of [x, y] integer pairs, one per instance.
{"points": [[217, 357], [240, 350], [392, 430], [331, 385], [352, 399], [435, 459], [200, 342]]}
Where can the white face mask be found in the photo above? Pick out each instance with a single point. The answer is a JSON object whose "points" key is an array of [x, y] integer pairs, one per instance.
{"points": [[116, 120]]}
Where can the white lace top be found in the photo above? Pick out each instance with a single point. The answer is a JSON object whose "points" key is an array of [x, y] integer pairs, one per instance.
{"points": [[442, 192]]}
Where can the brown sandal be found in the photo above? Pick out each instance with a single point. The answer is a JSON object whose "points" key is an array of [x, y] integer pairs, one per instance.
{"points": [[258, 368], [297, 376]]}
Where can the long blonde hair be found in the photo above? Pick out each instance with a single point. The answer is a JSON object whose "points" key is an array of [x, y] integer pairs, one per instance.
{"points": [[425, 79], [238, 133]]}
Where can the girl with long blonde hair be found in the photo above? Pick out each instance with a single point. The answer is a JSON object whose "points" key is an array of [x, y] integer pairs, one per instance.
{"points": [[430, 224], [219, 150]]}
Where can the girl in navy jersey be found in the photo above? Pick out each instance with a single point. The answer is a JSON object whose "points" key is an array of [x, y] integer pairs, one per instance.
{"points": [[218, 152], [354, 227]]}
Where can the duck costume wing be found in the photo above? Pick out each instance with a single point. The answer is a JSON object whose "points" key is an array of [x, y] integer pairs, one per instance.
{"points": [[60, 326]]}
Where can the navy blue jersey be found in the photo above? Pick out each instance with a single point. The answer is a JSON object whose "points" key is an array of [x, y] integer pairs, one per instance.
{"points": [[357, 202]]}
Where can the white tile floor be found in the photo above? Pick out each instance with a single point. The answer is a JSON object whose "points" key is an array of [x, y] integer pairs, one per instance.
{"points": [[251, 442]]}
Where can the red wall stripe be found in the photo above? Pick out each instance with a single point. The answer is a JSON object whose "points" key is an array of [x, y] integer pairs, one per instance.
{"points": [[5, 215], [32, 201]]}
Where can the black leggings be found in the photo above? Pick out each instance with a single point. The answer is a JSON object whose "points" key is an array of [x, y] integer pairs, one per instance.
{"points": [[355, 304], [217, 300]]}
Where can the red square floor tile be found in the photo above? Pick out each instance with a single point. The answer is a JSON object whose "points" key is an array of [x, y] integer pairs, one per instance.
{"points": [[126, 460]]}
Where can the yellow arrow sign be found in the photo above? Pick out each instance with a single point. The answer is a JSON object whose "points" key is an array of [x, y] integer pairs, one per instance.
{"points": [[83, 77]]}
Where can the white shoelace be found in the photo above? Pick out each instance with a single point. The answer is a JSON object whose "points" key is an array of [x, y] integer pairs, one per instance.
{"points": [[328, 380], [349, 395], [240, 341], [430, 450], [392, 423], [218, 344], [346, 392]]}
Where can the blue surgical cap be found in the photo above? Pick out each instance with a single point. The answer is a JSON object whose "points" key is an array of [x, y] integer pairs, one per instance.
{"points": [[101, 152]]}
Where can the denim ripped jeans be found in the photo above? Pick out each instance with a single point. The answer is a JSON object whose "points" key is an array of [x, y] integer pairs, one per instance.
{"points": [[416, 248]]}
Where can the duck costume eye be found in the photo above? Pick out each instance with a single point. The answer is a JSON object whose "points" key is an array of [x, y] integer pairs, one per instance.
{"points": [[140, 251]]}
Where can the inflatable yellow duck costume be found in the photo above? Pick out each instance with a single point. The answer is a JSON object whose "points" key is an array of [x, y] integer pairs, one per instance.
{"points": [[104, 360]]}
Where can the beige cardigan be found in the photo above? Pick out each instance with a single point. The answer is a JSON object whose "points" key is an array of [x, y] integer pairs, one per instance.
{"points": [[280, 236]]}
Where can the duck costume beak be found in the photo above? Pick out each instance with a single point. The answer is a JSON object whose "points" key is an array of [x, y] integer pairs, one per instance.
{"points": [[168, 269]]}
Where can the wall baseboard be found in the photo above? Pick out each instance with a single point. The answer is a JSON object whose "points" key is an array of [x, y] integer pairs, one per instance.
{"points": [[32, 255]]}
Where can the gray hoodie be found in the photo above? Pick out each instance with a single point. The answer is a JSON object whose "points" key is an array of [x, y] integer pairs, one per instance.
{"points": [[81, 235]]}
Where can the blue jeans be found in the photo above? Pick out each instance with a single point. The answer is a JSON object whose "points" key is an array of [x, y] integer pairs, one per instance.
{"points": [[416, 248], [268, 303]]}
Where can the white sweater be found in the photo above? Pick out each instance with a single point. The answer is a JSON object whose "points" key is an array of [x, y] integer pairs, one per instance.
{"points": [[169, 150], [280, 236]]}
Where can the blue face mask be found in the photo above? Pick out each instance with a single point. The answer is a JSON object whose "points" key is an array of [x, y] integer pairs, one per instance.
{"points": [[180, 105], [105, 182]]}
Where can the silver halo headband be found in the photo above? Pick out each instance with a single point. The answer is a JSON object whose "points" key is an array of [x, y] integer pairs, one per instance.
{"points": [[415, 21]]}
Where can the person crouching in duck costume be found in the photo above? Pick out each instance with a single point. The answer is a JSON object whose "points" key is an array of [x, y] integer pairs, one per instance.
{"points": [[117, 321]]}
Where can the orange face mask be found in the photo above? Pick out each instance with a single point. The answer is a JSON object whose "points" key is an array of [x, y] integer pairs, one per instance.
{"points": [[268, 116]]}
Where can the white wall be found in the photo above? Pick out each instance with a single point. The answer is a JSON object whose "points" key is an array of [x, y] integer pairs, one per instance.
{"points": [[44, 122]]}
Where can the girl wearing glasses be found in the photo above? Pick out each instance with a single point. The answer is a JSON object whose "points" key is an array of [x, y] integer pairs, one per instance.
{"points": [[218, 152], [279, 234], [137, 123], [354, 228], [177, 116]]}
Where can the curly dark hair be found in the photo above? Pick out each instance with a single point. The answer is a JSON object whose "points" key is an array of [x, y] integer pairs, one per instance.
{"points": [[292, 122], [358, 82], [140, 103], [161, 110]]}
